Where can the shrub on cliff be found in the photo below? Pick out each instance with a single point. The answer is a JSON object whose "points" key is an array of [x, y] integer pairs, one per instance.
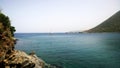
{"points": [[12, 29], [5, 21]]}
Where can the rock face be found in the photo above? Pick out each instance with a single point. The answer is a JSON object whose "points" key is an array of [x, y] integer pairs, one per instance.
{"points": [[11, 58]]}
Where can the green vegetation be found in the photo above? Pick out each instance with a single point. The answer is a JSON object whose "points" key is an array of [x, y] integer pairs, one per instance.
{"points": [[5, 21], [12, 29], [110, 25]]}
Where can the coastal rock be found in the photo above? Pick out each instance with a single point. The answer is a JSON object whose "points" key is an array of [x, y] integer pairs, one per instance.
{"points": [[6, 42], [19, 59]]}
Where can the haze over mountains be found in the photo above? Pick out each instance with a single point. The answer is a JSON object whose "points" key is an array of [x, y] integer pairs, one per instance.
{"points": [[112, 24]]}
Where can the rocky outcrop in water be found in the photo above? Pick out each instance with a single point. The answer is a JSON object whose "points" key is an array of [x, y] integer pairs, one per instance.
{"points": [[19, 59]]}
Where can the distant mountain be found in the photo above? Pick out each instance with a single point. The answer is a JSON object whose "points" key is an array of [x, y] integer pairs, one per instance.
{"points": [[112, 24]]}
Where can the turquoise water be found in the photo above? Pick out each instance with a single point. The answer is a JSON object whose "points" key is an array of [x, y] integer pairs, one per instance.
{"points": [[85, 50]]}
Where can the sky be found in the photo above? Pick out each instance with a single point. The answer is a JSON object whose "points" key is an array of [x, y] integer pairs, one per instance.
{"points": [[37, 16]]}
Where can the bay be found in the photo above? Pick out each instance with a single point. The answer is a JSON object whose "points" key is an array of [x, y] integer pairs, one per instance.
{"points": [[77, 50]]}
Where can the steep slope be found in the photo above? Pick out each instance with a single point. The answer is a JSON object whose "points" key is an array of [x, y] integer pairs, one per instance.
{"points": [[110, 25], [6, 37]]}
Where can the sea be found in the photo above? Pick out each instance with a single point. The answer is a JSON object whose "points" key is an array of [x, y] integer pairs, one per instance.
{"points": [[73, 50]]}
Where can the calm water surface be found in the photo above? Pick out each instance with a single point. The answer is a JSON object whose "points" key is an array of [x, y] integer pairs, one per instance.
{"points": [[85, 50]]}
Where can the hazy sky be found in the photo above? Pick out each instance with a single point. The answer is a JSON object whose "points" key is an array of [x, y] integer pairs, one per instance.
{"points": [[58, 15]]}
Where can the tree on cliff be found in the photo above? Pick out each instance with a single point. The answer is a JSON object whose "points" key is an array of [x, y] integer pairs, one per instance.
{"points": [[6, 23]]}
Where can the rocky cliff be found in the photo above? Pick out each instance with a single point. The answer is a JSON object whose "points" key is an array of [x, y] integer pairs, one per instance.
{"points": [[6, 38], [11, 58]]}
